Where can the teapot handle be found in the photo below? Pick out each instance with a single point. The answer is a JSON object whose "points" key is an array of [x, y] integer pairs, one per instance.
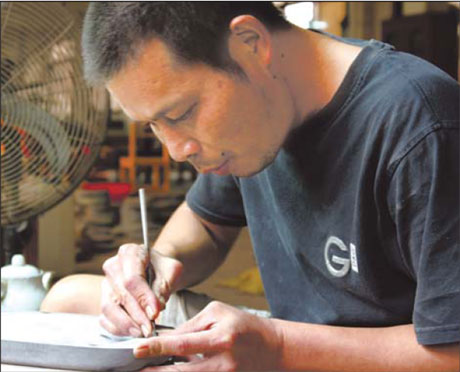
{"points": [[46, 279], [4, 289]]}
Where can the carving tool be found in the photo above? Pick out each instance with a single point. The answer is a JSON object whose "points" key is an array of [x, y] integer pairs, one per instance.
{"points": [[146, 244]]}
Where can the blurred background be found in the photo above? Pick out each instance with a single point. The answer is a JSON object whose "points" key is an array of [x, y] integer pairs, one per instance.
{"points": [[69, 216]]}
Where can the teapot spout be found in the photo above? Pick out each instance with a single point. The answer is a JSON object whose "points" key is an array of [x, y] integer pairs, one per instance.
{"points": [[46, 279]]}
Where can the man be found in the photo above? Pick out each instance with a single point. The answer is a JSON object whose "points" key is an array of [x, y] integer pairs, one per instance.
{"points": [[340, 156]]}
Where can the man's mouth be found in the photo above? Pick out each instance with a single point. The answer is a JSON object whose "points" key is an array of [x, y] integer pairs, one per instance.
{"points": [[220, 170]]}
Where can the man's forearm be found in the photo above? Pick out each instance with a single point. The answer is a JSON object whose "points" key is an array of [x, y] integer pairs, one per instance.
{"points": [[200, 246], [331, 348]]}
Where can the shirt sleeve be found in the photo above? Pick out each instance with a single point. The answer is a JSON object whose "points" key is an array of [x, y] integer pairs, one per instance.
{"points": [[217, 199], [423, 200]]}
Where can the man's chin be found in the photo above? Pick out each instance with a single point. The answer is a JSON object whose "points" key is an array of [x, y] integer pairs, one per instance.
{"points": [[245, 172], [250, 173]]}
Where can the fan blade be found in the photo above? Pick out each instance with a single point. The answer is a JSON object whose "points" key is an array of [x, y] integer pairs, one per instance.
{"points": [[42, 127]]}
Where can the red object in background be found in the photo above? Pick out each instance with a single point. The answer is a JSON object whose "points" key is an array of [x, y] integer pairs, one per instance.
{"points": [[117, 190], [24, 148]]}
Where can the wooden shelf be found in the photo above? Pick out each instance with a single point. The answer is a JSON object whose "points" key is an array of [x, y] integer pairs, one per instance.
{"points": [[160, 165]]}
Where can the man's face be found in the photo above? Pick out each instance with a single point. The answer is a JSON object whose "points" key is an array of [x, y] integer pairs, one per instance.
{"points": [[218, 122]]}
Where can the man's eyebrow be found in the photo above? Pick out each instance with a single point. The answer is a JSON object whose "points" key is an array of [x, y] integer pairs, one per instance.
{"points": [[164, 110], [154, 117]]}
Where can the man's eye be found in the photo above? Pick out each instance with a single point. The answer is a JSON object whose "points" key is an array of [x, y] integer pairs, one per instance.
{"points": [[186, 115]]}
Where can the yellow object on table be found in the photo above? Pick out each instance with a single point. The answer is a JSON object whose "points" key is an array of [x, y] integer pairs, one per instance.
{"points": [[249, 281]]}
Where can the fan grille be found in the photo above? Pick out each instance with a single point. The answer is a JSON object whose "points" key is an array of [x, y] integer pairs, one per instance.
{"points": [[52, 123]]}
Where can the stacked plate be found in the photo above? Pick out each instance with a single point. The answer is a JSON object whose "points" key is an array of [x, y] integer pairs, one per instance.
{"points": [[130, 227], [95, 219], [66, 341], [102, 227]]}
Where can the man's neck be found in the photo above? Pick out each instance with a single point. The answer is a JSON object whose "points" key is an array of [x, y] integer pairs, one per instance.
{"points": [[313, 66]]}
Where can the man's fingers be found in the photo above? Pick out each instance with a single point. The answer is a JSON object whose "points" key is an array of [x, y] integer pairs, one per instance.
{"points": [[124, 311], [129, 304], [117, 322], [183, 345], [135, 261], [126, 274], [202, 321], [168, 271], [134, 308], [127, 278], [109, 326]]}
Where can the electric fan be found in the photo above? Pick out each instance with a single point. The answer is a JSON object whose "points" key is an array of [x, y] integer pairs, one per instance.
{"points": [[52, 123]]}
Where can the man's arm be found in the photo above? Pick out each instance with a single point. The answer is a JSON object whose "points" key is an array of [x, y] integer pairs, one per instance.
{"points": [[231, 339], [333, 348], [199, 245]]}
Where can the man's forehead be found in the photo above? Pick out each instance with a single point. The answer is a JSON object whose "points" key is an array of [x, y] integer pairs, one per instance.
{"points": [[151, 60], [152, 74]]}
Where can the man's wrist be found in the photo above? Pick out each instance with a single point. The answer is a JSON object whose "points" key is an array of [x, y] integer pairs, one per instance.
{"points": [[278, 329]]}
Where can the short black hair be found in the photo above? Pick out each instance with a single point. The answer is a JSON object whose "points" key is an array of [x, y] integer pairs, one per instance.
{"points": [[195, 32]]}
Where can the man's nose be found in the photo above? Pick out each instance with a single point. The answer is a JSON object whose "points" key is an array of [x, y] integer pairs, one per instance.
{"points": [[180, 147]]}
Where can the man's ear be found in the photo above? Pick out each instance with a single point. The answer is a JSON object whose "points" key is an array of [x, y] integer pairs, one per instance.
{"points": [[249, 40]]}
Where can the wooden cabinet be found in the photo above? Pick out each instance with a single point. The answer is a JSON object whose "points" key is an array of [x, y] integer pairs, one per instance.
{"points": [[158, 166], [431, 36]]}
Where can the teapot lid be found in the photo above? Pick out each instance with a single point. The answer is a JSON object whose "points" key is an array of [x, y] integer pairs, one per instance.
{"points": [[19, 269]]}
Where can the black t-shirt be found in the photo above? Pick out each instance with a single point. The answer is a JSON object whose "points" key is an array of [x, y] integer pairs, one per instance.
{"points": [[356, 222]]}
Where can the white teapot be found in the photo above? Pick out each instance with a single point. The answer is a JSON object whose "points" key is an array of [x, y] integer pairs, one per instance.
{"points": [[23, 286]]}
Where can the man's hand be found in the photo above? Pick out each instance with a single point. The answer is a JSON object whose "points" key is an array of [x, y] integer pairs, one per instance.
{"points": [[128, 303], [227, 338]]}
